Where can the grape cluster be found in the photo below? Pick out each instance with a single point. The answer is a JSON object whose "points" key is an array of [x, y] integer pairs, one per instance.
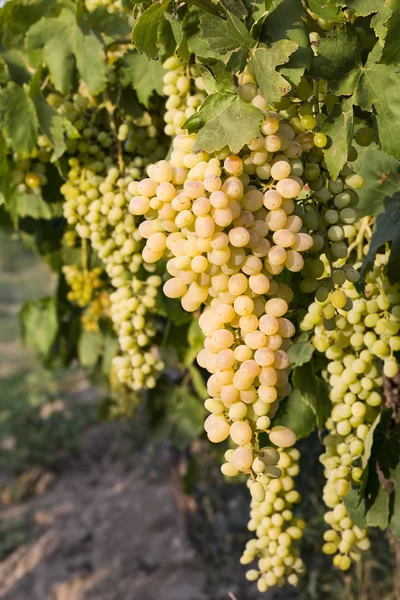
{"points": [[275, 526], [98, 308], [29, 172], [328, 206], [140, 364], [184, 89], [83, 283], [225, 240], [97, 206], [362, 337]]}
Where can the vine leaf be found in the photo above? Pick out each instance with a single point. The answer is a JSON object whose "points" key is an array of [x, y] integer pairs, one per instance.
{"points": [[355, 507], [339, 129], [51, 123], [378, 22], [391, 49], [176, 414], [264, 62], [145, 75], [195, 338], [286, 21], [236, 7], [224, 36], [381, 180], [378, 511], [364, 8], [372, 87], [180, 37], [145, 32], [395, 518], [90, 347], [30, 205], [327, 10], [18, 118], [296, 414], [313, 391], [301, 351], [224, 119], [387, 229], [63, 46], [114, 25], [39, 324], [227, 35], [338, 56]]}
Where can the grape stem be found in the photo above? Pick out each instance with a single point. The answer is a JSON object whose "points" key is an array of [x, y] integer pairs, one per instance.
{"points": [[364, 231]]}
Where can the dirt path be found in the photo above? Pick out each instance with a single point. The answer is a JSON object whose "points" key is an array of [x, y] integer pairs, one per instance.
{"points": [[107, 530]]}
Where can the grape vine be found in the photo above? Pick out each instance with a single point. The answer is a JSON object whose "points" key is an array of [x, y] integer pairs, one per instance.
{"points": [[218, 192]]}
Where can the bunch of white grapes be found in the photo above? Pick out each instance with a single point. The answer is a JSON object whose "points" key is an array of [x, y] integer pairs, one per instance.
{"points": [[84, 283], [139, 364], [328, 207], [97, 206], [225, 241], [184, 89], [277, 529], [362, 337]]}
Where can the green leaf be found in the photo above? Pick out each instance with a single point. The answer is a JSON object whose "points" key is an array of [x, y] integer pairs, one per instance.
{"points": [[224, 119], [145, 32], [223, 36], [236, 7], [378, 512], [51, 123], [363, 8], [199, 47], [145, 75], [39, 324], [114, 25], [90, 346], [110, 349], [176, 414], [313, 391], [172, 309], [64, 46], [339, 129], [381, 180], [296, 414], [383, 443], [369, 440], [18, 118], [286, 21], [372, 87], [339, 56], [326, 11], [391, 49], [30, 205], [395, 518], [378, 22], [264, 62], [180, 37], [355, 507], [301, 351], [387, 229], [195, 338], [198, 382]]}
